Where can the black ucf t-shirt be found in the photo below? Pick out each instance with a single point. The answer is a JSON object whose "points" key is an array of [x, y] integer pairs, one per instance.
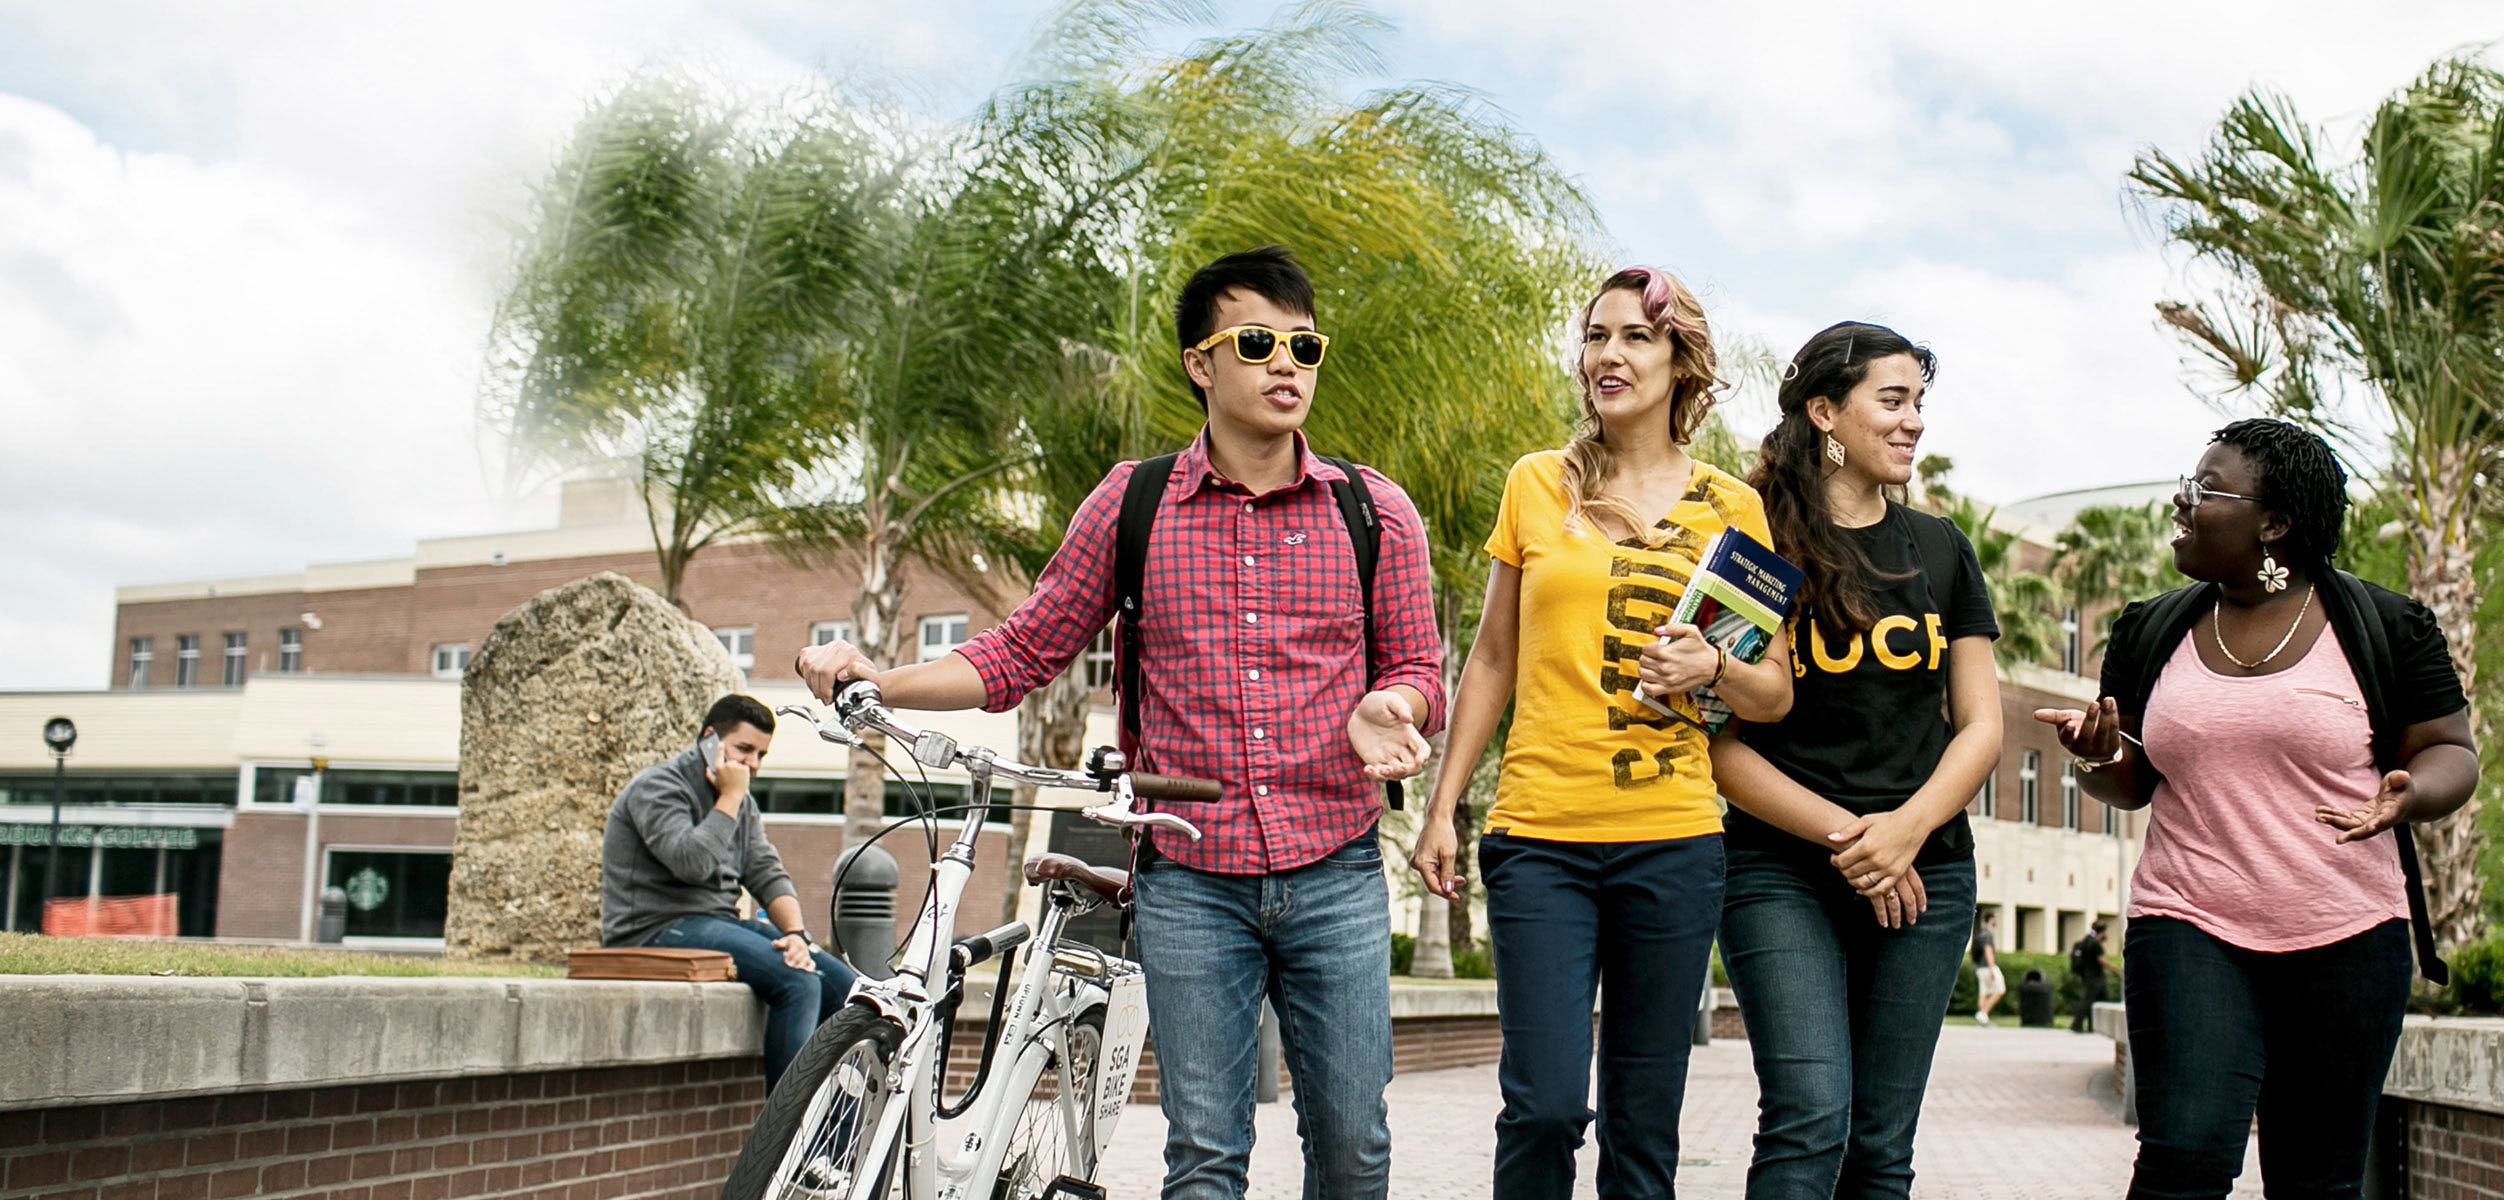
{"points": [[1868, 718]]}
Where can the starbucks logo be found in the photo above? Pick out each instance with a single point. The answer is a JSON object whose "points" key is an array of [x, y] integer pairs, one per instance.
{"points": [[367, 889]]}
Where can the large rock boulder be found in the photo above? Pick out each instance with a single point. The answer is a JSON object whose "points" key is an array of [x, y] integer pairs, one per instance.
{"points": [[570, 696]]}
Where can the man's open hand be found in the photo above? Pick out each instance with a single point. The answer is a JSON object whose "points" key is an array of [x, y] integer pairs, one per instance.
{"points": [[1383, 731]]}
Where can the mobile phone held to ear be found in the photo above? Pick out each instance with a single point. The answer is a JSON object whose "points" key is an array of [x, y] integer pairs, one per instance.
{"points": [[710, 748]]}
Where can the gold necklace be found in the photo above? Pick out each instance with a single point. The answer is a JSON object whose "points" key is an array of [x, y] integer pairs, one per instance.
{"points": [[2217, 630]]}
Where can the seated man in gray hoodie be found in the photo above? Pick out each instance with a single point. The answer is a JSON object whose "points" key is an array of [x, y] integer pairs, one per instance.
{"points": [[683, 838]]}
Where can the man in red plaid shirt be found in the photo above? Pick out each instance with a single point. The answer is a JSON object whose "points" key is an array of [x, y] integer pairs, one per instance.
{"points": [[1254, 673]]}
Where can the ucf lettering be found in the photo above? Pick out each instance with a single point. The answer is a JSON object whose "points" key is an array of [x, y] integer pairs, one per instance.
{"points": [[1896, 643]]}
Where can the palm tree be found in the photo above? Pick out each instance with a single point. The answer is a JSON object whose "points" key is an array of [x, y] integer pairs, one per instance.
{"points": [[683, 305], [2022, 601], [2366, 296], [2113, 553]]}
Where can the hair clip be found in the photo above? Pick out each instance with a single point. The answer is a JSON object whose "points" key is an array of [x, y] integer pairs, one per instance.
{"points": [[1848, 341], [1791, 370]]}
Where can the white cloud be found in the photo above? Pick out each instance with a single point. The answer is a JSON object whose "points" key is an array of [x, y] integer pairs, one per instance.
{"points": [[247, 252], [244, 286]]}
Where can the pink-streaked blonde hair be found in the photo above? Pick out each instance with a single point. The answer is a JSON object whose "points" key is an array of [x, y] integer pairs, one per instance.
{"points": [[1673, 310]]}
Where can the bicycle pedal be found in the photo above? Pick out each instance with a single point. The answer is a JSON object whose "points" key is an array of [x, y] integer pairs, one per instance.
{"points": [[1074, 1188]]}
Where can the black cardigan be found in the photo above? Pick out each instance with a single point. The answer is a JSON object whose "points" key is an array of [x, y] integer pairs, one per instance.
{"points": [[2396, 651]]}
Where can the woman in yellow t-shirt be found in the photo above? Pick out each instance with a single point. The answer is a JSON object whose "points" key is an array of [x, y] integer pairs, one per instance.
{"points": [[1602, 856]]}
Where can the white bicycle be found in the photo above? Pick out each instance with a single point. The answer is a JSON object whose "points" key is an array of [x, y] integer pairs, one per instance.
{"points": [[860, 1115]]}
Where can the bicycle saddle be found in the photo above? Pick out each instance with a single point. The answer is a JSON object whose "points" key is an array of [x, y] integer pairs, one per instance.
{"points": [[1113, 885]]}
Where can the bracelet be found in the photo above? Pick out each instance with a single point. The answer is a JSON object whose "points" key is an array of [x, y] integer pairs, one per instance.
{"points": [[2088, 765], [1719, 667]]}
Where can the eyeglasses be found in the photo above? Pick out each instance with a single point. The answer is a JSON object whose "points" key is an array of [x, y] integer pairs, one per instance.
{"points": [[1257, 344], [2189, 491]]}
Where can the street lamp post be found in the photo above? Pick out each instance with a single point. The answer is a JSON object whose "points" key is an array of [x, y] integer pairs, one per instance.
{"points": [[59, 733]]}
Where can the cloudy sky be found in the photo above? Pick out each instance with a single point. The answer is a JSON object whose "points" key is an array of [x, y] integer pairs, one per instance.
{"points": [[248, 251]]}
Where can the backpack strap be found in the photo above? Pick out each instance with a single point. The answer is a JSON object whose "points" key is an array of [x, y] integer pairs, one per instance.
{"points": [[1140, 500], [2378, 653], [1356, 508]]}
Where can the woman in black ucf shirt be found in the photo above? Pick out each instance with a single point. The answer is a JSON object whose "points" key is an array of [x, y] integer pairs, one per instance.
{"points": [[1851, 877]]}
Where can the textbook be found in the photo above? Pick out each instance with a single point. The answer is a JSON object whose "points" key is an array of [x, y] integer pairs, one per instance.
{"points": [[1739, 595]]}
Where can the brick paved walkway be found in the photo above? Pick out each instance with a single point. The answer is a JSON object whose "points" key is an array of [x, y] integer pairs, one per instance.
{"points": [[2013, 1114]]}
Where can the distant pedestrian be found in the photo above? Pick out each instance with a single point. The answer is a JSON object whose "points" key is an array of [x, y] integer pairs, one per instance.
{"points": [[1989, 983], [2086, 963], [2273, 717]]}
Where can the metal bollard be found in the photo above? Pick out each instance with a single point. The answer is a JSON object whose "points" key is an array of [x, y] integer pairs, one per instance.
{"points": [[864, 911]]}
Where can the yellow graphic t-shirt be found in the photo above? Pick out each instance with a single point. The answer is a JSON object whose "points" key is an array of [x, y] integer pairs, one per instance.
{"points": [[1586, 761]]}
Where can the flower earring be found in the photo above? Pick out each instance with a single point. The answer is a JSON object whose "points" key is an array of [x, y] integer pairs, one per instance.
{"points": [[1834, 450], [2272, 576]]}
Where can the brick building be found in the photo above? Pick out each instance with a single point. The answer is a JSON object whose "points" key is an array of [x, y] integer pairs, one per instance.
{"points": [[265, 737]]}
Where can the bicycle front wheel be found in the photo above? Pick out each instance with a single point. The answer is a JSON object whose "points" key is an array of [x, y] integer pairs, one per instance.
{"points": [[1055, 1133], [811, 1141]]}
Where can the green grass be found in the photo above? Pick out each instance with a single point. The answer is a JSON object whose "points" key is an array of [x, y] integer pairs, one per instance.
{"points": [[30, 954]]}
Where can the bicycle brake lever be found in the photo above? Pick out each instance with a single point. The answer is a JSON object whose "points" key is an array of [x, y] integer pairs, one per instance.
{"points": [[832, 733]]}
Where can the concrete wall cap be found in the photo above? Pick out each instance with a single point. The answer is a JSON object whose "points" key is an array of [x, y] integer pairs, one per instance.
{"points": [[85, 1039], [2455, 1061]]}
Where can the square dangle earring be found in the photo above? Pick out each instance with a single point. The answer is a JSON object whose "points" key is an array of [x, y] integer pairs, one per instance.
{"points": [[1834, 451]]}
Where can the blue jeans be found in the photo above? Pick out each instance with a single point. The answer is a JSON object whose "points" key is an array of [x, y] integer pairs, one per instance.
{"points": [[1317, 942], [795, 1001], [1842, 1019], [1634, 920], [2302, 1037]]}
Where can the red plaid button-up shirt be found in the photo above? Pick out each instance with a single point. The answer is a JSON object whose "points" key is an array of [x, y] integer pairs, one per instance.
{"points": [[1253, 650]]}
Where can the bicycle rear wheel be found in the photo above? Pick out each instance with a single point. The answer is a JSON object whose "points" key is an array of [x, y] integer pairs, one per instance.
{"points": [[811, 1140], [1050, 1141]]}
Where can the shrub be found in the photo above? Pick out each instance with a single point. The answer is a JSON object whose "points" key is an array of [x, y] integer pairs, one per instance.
{"points": [[1472, 963], [2478, 976]]}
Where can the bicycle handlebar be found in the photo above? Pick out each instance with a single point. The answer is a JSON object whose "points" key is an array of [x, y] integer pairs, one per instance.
{"points": [[1175, 787], [859, 707]]}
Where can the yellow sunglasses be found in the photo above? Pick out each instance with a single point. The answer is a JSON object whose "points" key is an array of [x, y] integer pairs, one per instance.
{"points": [[1257, 344]]}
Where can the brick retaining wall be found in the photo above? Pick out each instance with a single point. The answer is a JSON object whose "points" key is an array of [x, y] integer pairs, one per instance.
{"points": [[666, 1130], [2454, 1153]]}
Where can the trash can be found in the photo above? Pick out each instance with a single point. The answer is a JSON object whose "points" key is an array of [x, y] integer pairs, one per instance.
{"points": [[333, 924], [2034, 1000], [864, 916]]}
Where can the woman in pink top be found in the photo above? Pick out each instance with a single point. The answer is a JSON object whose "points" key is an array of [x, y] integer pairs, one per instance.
{"points": [[2278, 714]]}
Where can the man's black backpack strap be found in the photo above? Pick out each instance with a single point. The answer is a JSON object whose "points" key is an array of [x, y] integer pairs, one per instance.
{"points": [[1356, 507], [1130, 563], [1140, 500]]}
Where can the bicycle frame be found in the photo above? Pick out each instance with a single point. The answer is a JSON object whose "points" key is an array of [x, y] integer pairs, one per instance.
{"points": [[959, 1157]]}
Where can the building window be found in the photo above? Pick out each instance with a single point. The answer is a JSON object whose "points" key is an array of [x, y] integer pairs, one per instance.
{"points": [[142, 656], [392, 893], [186, 660], [290, 651], [2069, 794], [451, 659], [2029, 765], [234, 660], [830, 631], [2070, 657], [1991, 793], [942, 634], [742, 646], [1098, 661]]}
